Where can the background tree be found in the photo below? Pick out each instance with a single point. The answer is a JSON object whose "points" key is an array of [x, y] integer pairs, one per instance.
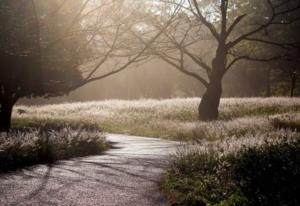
{"points": [[50, 48], [281, 37], [19, 56], [286, 75], [231, 29]]}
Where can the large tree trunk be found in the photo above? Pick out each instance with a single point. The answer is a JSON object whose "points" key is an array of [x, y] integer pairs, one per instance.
{"points": [[5, 115], [208, 108]]}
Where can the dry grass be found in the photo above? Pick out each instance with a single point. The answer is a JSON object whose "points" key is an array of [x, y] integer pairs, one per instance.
{"points": [[171, 118], [28, 146]]}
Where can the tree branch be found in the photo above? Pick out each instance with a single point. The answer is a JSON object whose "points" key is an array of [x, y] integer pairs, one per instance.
{"points": [[224, 7], [245, 57], [136, 58], [260, 28], [270, 22], [274, 43], [106, 55], [235, 23], [183, 70], [209, 25]]}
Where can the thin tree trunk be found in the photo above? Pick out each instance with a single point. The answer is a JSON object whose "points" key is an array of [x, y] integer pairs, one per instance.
{"points": [[268, 92], [293, 86], [5, 116]]}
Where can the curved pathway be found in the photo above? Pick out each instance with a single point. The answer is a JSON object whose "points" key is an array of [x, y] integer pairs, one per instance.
{"points": [[126, 175]]}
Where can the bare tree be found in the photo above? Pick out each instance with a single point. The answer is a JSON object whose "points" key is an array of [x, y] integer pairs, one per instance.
{"points": [[49, 48], [113, 47], [224, 28]]}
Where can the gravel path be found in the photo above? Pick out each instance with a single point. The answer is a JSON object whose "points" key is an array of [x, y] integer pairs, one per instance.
{"points": [[127, 175]]}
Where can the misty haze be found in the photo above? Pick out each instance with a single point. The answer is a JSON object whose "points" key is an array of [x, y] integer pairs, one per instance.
{"points": [[149, 103]]}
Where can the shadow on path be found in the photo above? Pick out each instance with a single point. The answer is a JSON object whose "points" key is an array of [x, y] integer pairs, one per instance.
{"points": [[126, 175]]}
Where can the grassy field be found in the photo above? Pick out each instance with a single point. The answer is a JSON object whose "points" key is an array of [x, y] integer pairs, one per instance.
{"points": [[171, 118]]}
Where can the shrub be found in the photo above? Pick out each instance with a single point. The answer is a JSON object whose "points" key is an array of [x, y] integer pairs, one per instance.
{"points": [[24, 147], [199, 179], [262, 175], [270, 174]]}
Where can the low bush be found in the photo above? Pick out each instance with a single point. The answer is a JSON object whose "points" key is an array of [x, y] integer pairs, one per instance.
{"points": [[28, 146], [269, 175], [199, 179], [253, 176]]}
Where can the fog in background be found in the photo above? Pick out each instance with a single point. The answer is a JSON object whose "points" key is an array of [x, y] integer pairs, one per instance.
{"points": [[156, 79]]}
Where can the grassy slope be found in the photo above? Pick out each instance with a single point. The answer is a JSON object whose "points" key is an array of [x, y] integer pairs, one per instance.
{"points": [[171, 118]]}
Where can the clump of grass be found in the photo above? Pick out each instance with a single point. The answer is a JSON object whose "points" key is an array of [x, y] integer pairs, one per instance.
{"points": [[198, 179], [263, 174], [250, 107], [54, 124], [291, 124], [29, 146]]}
